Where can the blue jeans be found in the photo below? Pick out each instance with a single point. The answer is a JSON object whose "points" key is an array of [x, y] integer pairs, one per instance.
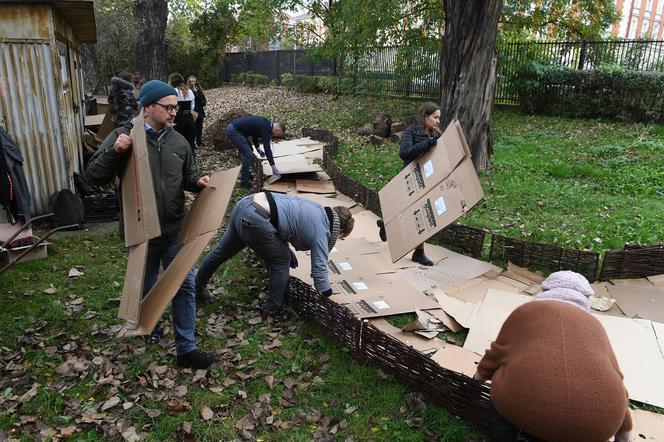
{"points": [[248, 227], [246, 152], [184, 302]]}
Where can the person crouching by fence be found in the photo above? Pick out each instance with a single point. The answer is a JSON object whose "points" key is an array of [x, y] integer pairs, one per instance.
{"points": [[553, 373], [267, 223]]}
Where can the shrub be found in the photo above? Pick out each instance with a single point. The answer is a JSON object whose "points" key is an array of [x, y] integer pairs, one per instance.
{"points": [[287, 80], [611, 92], [250, 79]]}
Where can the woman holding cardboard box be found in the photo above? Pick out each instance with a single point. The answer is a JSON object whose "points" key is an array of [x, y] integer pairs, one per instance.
{"points": [[417, 139]]}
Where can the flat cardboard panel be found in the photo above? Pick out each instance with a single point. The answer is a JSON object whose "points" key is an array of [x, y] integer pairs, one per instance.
{"points": [[107, 123], [280, 186], [130, 303], [354, 247], [293, 147], [636, 282], [417, 342], [647, 426], [139, 205], [433, 252], [313, 186], [328, 201], [365, 226], [435, 210], [167, 286], [94, 120], [638, 302], [657, 280], [457, 359], [289, 165], [207, 211], [639, 356], [493, 312], [418, 177], [463, 312]]}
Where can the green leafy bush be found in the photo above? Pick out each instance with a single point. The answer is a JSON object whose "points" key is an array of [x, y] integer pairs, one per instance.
{"points": [[608, 92], [251, 79]]}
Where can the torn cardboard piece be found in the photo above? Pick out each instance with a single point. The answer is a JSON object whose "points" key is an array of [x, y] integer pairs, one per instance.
{"points": [[425, 325], [639, 302], [446, 319], [425, 172], [457, 359], [647, 426], [423, 345], [139, 204], [313, 186], [463, 312]]}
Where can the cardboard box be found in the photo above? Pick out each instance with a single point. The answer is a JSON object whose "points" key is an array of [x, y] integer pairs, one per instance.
{"points": [[139, 204], [422, 174], [439, 207]]}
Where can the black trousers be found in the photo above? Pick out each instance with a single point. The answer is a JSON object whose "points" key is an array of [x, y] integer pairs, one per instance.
{"points": [[184, 125], [199, 129], [500, 430]]}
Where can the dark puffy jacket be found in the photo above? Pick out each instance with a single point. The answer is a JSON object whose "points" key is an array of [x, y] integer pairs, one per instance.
{"points": [[199, 104], [172, 167], [122, 101], [414, 142], [11, 164]]}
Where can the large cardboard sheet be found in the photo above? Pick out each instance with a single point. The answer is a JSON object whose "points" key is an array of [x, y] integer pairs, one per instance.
{"points": [[425, 172], [290, 165], [132, 291], [168, 284], [491, 315], [639, 302], [207, 211], [327, 201], [439, 207], [139, 204], [647, 426], [639, 356], [299, 146], [365, 226], [315, 186]]}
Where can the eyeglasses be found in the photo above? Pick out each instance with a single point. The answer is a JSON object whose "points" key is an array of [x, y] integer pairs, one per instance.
{"points": [[170, 108]]}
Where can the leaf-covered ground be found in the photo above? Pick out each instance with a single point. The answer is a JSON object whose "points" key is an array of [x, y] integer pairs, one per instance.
{"points": [[63, 374]]}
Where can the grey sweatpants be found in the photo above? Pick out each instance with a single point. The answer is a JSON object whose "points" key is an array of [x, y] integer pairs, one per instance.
{"points": [[249, 227]]}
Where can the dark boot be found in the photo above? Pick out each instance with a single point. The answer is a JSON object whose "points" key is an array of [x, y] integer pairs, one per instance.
{"points": [[155, 335], [204, 296], [420, 258], [381, 232], [195, 359]]}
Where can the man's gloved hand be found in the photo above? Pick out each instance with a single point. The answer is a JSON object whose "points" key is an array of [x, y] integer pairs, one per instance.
{"points": [[293, 260], [275, 170]]}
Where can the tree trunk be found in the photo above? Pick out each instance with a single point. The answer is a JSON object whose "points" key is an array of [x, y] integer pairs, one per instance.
{"points": [[469, 71], [150, 51], [92, 79]]}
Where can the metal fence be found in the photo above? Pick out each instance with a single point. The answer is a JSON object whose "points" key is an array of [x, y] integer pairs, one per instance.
{"points": [[416, 72]]}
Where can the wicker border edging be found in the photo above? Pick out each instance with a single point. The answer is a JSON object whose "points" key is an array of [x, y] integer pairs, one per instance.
{"points": [[462, 396]]}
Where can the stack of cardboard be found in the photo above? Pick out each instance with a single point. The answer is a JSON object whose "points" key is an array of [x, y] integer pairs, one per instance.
{"points": [[299, 171], [141, 223]]}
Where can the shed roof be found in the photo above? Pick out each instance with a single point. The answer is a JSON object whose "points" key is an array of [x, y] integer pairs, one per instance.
{"points": [[80, 14]]}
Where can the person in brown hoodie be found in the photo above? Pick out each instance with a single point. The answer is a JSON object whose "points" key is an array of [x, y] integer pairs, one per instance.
{"points": [[553, 373]]}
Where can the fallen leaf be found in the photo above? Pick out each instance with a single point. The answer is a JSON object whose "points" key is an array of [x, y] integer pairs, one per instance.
{"points": [[255, 321], [350, 410], [270, 381], [51, 290], [206, 413], [67, 431], [28, 395], [415, 422], [289, 383], [129, 434], [112, 402], [244, 424], [186, 427], [75, 273]]}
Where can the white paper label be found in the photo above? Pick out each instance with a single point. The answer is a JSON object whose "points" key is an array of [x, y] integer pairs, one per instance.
{"points": [[440, 206], [345, 266], [360, 286], [428, 169], [381, 305]]}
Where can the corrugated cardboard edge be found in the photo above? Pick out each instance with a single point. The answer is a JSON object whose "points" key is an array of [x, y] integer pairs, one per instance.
{"points": [[130, 303]]}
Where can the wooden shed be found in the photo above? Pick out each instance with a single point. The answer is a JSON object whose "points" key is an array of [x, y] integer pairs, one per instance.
{"points": [[41, 88]]}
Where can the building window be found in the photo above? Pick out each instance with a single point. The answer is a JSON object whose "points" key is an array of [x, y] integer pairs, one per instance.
{"points": [[655, 30], [632, 27], [644, 28], [648, 5]]}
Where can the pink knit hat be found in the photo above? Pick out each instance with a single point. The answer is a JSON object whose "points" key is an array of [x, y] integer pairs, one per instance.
{"points": [[566, 286]]}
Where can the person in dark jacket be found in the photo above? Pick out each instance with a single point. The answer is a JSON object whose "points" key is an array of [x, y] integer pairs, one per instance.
{"points": [[184, 119], [266, 223], [173, 172], [121, 99], [417, 139], [199, 107], [14, 192], [257, 128]]}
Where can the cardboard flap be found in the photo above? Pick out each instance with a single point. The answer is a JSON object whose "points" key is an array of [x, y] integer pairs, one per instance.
{"points": [[132, 292], [647, 426], [208, 210], [424, 345], [638, 302], [139, 204], [457, 359], [167, 286], [313, 186]]}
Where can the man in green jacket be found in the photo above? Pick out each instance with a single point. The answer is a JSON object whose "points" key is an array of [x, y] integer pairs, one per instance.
{"points": [[173, 171]]}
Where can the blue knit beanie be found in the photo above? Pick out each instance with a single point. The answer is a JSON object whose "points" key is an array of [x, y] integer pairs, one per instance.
{"points": [[153, 90]]}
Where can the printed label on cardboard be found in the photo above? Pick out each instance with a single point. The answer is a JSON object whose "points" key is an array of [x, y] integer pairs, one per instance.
{"points": [[381, 305], [360, 286], [345, 266], [440, 206], [428, 169]]}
